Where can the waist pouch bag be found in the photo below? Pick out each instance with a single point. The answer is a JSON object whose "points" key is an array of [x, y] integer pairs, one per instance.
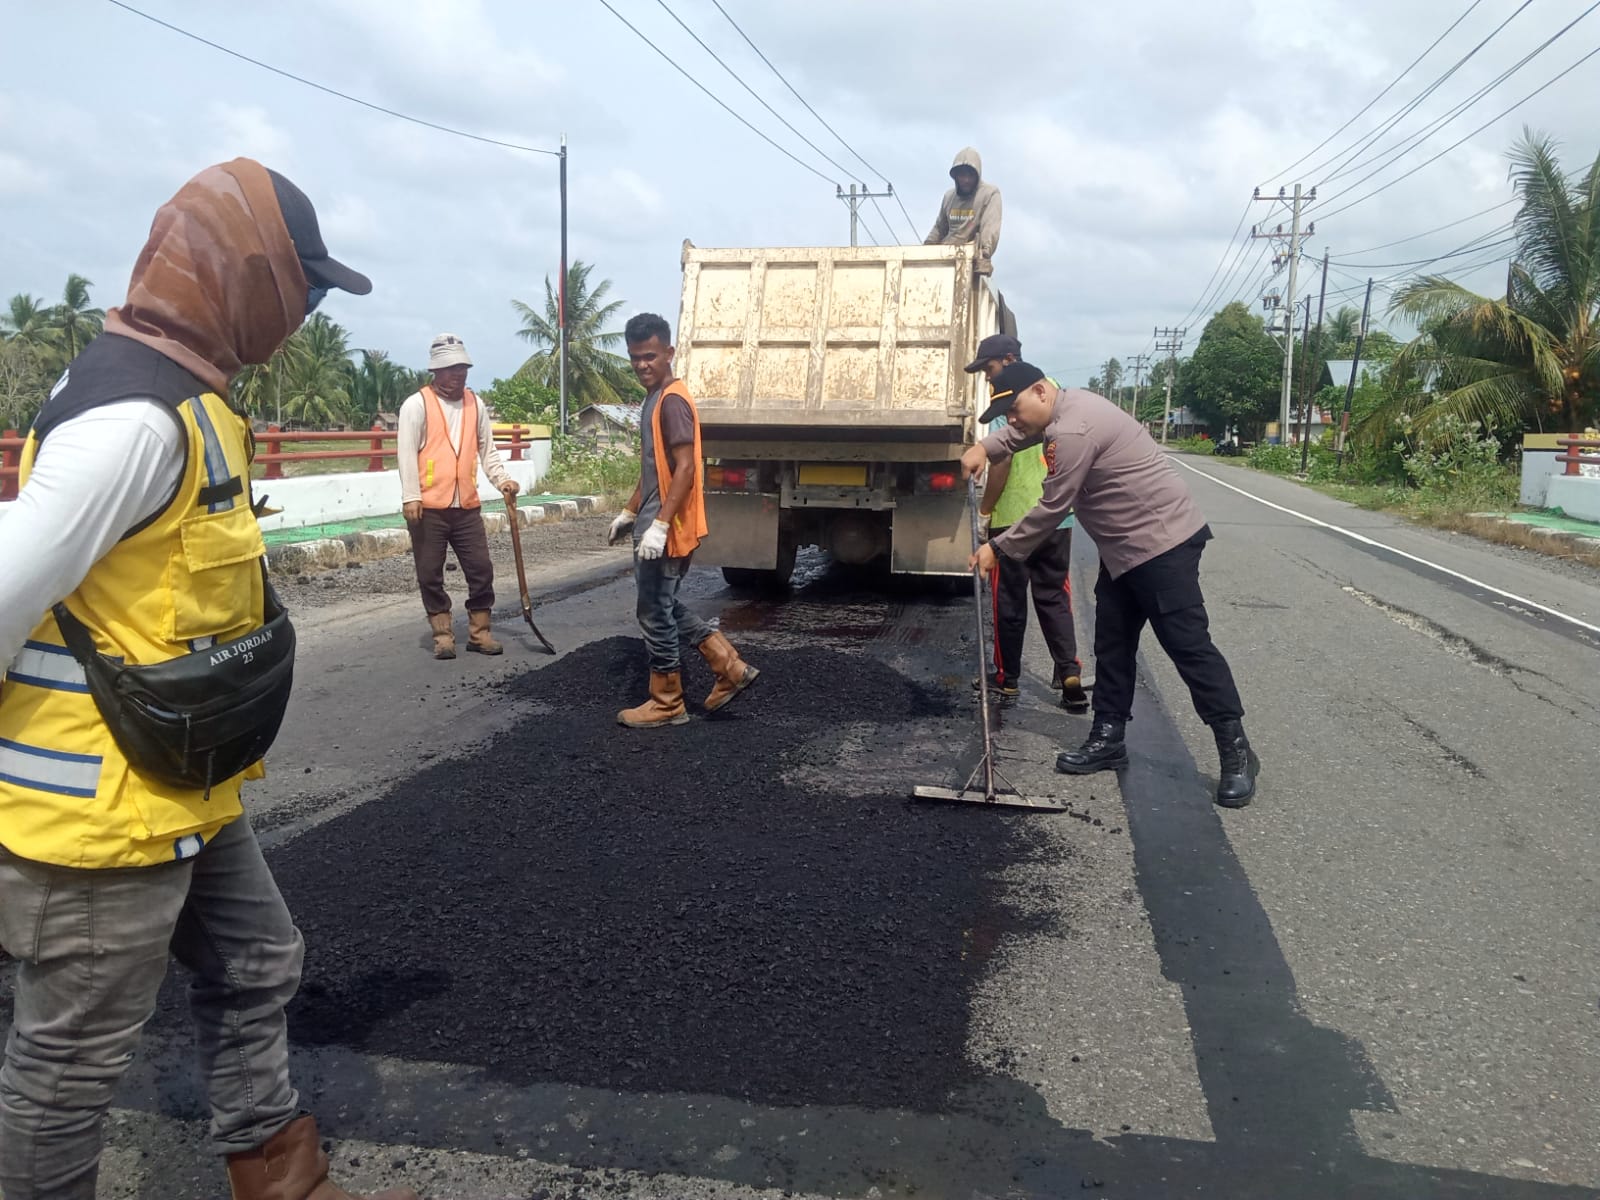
{"points": [[198, 719]]}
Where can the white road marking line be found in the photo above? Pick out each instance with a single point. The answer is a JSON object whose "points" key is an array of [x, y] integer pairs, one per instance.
{"points": [[1358, 537]]}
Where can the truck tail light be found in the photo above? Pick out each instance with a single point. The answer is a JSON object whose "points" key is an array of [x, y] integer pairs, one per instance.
{"points": [[942, 481], [734, 477]]}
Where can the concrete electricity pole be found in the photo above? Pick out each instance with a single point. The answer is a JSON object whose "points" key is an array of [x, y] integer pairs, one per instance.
{"points": [[1170, 340], [855, 199], [1140, 363], [1296, 204]]}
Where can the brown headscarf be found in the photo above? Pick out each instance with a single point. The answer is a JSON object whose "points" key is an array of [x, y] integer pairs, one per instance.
{"points": [[218, 285]]}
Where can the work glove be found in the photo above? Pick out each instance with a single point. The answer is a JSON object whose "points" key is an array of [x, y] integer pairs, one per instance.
{"points": [[984, 520], [622, 526], [654, 542]]}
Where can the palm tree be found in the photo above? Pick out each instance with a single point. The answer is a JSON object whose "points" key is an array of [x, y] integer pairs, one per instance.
{"points": [[1111, 377], [28, 319], [595, 375], [75, 318], [1534, 356], [1342, 327], [315, 372]]}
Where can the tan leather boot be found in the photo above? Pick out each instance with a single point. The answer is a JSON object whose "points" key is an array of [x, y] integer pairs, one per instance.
{"points": [[478, 638], [665, 706], [732, 672], [292, 1166], [444, 638]]}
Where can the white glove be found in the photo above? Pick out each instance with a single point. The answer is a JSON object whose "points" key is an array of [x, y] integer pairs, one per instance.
{"points": [[621, 526], [654, 542], [984, 520]]}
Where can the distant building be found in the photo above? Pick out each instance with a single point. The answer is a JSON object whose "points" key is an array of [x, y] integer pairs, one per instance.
{"points": [[608, 425]]}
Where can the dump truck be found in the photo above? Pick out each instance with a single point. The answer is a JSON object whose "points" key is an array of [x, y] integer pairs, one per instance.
{"points": [[833, 403]]}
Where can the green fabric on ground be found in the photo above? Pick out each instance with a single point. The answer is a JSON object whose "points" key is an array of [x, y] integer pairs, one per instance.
{"points": [[1547, 519]]}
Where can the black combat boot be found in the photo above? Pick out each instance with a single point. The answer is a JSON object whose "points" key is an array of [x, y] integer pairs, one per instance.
{"points": [[1103, 751], [1236, 783]]}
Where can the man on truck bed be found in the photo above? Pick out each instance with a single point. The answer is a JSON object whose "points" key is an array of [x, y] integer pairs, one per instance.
{"points": [[1150, 533], [670, 503], [970, 212], [1014, 488]]}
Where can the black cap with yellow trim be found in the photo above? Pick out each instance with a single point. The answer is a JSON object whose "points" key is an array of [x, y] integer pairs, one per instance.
{"points": [[1013, 379]]}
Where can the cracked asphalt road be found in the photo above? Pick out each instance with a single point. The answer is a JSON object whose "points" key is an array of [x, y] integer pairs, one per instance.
{"points": [[532, 973]]}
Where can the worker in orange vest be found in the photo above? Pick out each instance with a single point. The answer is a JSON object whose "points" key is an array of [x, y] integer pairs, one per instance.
{"points": [[669, 507], [444, 434]]}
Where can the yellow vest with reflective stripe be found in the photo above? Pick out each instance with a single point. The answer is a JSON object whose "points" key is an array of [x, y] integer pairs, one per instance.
{"points": [[189, 577]]}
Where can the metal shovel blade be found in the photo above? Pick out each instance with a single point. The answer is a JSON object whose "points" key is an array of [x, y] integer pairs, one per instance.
{"points": [[522, 574], [1000, 799]]}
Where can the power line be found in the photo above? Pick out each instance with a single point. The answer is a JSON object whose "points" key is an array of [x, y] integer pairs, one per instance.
{"points": [[1362, 144], [1206, 290], [796, 94], [1506, 112], [719, 102], [1473, 247], [1394, 153], [887, 224], [1364, 108], [256, 62], [740, 81], [1437, 228]]}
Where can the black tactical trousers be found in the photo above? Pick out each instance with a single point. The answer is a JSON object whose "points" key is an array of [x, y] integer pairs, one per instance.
{"points": [[1165, 592]]}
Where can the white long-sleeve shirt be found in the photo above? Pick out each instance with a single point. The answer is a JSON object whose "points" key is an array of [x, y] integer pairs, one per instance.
{"points": [[414, 431], [96, 477]]}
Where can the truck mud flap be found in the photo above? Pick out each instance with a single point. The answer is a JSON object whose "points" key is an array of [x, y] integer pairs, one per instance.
{"points": [[742, 531], [932, 535]]}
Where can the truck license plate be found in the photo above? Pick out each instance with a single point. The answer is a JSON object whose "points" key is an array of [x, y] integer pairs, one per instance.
{"points": [[833, 475]]}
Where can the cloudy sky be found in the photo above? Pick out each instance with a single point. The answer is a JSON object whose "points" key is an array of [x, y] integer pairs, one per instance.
{"points": [[1126, 139]]}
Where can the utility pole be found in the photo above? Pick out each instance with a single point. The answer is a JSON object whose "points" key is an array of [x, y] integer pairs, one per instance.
{"points": [[855, 199], [1305, 424], [1296, 205], [1140, 363], [1305, 372], [561, 302], [1170, 340], [1355, 367]]}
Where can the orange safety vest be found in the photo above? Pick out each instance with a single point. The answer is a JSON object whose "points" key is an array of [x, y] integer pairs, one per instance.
{"points": [[689, 522], [445, 472]]}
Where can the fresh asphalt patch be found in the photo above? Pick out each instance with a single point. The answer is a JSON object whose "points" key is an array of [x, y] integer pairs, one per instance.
{"points": [[659, 910]]}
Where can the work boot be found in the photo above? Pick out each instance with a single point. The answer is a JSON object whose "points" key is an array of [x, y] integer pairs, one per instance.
{"points": [[665, 706], [1006, 691], [1236, 780], [1073, 698], [292, 1166], [444, 638], [1104, 750], [478, 638], [732, 672]]}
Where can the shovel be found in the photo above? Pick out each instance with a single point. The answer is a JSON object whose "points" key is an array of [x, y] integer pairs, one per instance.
{"points": [[986, 785], [522, 574]]}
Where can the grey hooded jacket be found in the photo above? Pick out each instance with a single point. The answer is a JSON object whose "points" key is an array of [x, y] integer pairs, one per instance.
{"points": [[974, 218]]}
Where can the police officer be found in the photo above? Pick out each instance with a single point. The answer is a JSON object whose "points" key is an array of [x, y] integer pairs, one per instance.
{"points": [[134, 528], [1150, 534]]}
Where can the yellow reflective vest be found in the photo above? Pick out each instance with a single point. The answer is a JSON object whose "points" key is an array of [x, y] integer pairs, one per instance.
{"points": [[191, 576]]}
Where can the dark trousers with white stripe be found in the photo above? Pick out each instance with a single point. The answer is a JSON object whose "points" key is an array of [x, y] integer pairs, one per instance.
{"points": [[1046, 572]]}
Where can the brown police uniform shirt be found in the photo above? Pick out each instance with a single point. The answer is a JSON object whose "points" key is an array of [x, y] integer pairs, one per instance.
{"points": [[1100, 461]]}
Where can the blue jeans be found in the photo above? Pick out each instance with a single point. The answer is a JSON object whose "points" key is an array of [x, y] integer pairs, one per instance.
{"points": [[664, 618]]}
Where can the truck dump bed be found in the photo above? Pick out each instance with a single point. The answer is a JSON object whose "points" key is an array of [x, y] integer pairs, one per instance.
{"points": [[833, 338]]}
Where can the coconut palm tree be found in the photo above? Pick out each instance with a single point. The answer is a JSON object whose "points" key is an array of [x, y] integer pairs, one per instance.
{"points": [[595, 374], [315, 372], [1532, 358], [1342, 327], [379, 384], [76, 319], [28, 319]]}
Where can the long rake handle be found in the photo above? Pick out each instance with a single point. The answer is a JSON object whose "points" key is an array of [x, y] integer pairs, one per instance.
{"points": [[983, 669]]}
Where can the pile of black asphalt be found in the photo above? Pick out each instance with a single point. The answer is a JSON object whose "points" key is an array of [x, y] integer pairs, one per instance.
{"points": [[660, 910]]}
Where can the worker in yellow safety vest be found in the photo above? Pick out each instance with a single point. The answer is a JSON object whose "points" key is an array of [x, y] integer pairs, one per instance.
{"points": [[146, 667]]}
